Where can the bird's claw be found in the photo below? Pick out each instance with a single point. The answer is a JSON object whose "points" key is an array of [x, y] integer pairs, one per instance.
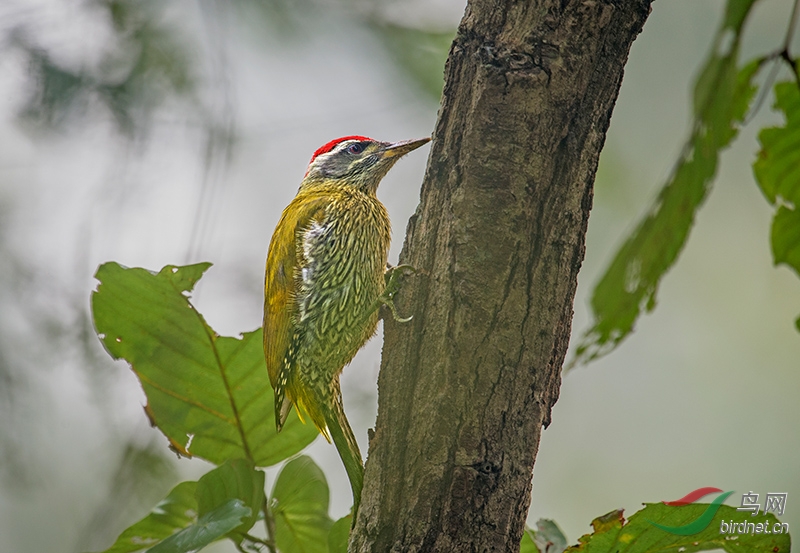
{"points": [[394, 276], [390, 304]]}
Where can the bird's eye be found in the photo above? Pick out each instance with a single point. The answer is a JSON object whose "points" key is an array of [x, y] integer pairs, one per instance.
{"points": [[355, 148]]}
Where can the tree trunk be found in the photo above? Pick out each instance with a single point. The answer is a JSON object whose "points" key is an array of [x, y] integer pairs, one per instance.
{"points": [[497, 240]]}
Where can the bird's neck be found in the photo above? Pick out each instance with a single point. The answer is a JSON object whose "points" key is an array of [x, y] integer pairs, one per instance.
{"points": [[313, 183]]}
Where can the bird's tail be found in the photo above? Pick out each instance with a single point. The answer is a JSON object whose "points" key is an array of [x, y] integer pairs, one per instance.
{"points": [[312, 402], [345, 442]]}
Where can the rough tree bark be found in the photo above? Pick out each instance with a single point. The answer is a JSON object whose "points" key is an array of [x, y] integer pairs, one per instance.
{"points": [[498, 239]]}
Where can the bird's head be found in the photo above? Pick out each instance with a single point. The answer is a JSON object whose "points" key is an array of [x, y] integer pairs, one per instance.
{"points": [[356, 161]]}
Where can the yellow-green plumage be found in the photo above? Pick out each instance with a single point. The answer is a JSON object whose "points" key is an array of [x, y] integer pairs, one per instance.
{"points": [[325, 271], [325, 282]]}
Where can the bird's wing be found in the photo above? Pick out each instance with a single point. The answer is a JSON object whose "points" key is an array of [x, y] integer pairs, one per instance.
{"points": [[280, 309]]}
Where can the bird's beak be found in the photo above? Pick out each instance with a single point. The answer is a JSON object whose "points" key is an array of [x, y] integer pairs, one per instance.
{"points": [[398, 149]]}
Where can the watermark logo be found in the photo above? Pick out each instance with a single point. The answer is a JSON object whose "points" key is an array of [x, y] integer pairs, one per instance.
{"points": [[700, 523], [774, 502]]}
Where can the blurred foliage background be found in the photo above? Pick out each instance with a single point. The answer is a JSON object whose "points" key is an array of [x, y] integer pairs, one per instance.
{"points": [[152, 133]]}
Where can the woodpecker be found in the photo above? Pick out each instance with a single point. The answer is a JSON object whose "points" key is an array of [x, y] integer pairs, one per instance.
{"points": [[326, 278]]}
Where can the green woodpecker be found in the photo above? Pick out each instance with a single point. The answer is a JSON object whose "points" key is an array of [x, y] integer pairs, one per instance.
{"points": [[325, 281]]}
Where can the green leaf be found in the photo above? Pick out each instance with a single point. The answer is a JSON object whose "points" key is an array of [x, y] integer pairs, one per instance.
{"points": [[527, 545], [339, 535], [777, 170], [176, 512], [209, 394], [209, 528], [786, 237], [716, 83], [639, 535], [629, 285], [236, 479], [777, 167], [224, 501], [547, 538], [736, 14], [299, 505]]}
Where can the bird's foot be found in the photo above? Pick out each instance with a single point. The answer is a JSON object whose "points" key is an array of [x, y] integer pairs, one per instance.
{"points": [[394, 279]]}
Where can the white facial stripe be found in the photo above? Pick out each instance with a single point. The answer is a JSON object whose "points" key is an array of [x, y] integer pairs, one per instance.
{"points": [[340, 147]]}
